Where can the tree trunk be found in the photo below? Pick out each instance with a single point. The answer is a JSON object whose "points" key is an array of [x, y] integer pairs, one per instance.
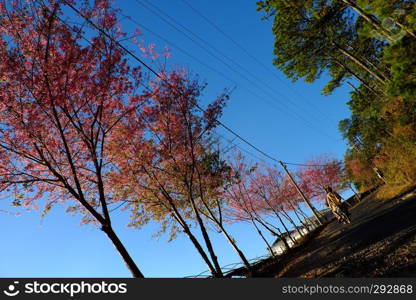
{"points": [[369, 18], [299, 210], [207, 240], [189, 184], [355, 75], [296, 213], [297, 216], [371, 64], [279, 235], [359, 62], [201, 251], [284, 239], [300, 220], [411, 33], [204, 233], [276, 212], [353, 86], [355, 194], [210, 248], [219, 223], [176, 215], [291, 222], [264, 239], [131, 265], [193, 239], [287, 230], [236, 249]]}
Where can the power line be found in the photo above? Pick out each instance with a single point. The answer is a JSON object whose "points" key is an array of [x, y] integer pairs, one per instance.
{"points": [[263, 161], [179, 48], [195, 38], [160, 14], [236, 135], [307, 165], [285, 107], [168, 83], [219, 122], [253, 57], [163, 79], [271, 93], [231, 142], [118, 206]]}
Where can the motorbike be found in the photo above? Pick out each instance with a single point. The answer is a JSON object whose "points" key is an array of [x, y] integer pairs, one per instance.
{"points": [[344, 214]]}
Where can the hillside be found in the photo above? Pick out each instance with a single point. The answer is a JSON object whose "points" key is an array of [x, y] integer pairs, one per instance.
{"points": [[380, 242]]}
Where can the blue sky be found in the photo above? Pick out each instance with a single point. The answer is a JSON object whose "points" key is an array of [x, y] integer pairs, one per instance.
{"points": [[290, 121]]}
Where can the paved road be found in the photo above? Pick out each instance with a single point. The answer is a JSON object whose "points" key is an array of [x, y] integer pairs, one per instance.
{"points": [[381, 241]]}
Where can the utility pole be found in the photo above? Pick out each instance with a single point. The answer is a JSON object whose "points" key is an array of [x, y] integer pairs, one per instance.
{"points": [[312, 208]]}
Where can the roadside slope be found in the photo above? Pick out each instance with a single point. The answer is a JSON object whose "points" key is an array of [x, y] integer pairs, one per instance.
{"points": [[381, 241]]}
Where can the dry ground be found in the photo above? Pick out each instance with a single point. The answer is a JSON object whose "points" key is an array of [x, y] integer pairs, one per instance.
{"points": [[380, 242]]}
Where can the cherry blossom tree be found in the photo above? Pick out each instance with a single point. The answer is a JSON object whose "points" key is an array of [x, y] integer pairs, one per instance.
{"points": [[270, 198], [240, 204], [318, 173], [61, 100], [260, 194], [173, 171]]}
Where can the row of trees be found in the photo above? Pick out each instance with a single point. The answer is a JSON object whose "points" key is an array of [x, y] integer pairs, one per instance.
{"points": [[266, 198], [79, 126], [369, 45]]}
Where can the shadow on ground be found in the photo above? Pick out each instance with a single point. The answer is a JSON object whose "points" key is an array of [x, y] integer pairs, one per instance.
{"points": [[381, 241]]}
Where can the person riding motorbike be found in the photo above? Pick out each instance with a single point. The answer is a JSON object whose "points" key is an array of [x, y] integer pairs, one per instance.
{"points": [[333, 201]]}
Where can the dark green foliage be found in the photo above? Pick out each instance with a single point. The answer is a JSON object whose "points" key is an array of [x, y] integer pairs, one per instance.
{"points": [[370, 45]]}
